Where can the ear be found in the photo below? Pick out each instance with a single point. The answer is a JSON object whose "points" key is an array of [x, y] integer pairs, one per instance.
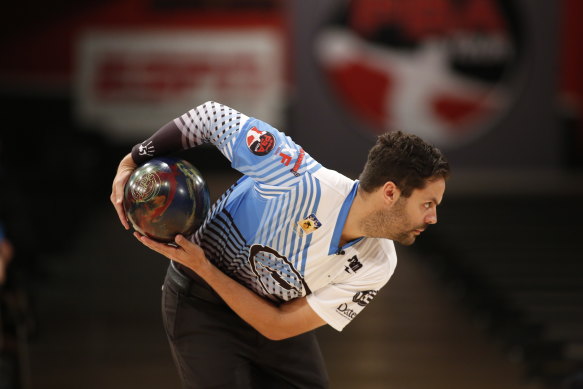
{"points": [[391, 192]]}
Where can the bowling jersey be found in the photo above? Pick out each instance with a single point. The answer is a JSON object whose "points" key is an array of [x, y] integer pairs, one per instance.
{"points": [[277, 229]]}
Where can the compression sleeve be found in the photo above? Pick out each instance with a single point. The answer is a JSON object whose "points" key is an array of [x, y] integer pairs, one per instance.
{"points": [[210, 122]]}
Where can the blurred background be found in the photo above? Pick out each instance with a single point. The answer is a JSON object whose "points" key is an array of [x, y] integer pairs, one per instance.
{"points": [[492, 297]]}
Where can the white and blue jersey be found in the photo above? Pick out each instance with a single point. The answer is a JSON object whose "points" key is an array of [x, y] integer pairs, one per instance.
{"points": [[277, 230]]}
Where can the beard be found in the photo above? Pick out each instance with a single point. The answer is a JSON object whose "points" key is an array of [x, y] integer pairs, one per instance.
{"points": [[391, 224]]}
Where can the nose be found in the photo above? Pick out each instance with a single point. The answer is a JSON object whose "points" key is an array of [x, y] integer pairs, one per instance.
{"points": [[431, 218]]}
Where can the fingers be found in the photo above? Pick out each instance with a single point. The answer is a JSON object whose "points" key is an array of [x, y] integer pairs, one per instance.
{"points": [[182, 250], [116, 199], [118, 204], [181, 241], [122, 218], [189, 248], [125, 168], [161, 248], [146, 241]]}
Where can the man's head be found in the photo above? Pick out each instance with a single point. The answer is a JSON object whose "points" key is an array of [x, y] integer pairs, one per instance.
{"points": [[404, 159], [407, 177]]}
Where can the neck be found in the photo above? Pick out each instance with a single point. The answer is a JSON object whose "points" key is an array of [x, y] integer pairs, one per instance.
{"points": [[359, 209]]}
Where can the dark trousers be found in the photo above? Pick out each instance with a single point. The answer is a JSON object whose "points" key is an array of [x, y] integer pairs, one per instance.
{"points": [[214, 348]]}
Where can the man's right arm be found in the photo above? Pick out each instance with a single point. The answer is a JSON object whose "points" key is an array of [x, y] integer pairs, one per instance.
{"points": [[275, 322], [253, 147], [210, 122]]}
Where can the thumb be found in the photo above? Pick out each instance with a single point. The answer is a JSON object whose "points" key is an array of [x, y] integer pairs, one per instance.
{"points": [[180, 240]]}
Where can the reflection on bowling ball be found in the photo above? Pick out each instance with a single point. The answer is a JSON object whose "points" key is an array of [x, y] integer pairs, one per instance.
{"points": [[164, 197]]}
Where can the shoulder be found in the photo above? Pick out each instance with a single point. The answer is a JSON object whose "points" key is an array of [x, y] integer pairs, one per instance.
{"points": [[334, 181]]}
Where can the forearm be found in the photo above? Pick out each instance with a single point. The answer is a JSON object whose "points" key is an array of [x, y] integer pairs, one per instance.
{"points": [[261, 314], [272, 321], [275, 322], [164, 141], [188, 130], [210, 122]]}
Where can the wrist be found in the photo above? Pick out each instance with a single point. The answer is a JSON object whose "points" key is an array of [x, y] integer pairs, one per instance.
{"points": [[205, 269]]}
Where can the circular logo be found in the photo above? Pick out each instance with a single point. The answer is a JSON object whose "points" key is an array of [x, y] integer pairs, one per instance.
{"points": [[145, 187], [444, 70], [260, 142]]}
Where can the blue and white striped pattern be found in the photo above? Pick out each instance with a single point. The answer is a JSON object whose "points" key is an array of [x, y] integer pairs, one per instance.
{"points": [[226, 241], [271, 169], [211, 123], [287, 193], [279, 222], [225, 246]]}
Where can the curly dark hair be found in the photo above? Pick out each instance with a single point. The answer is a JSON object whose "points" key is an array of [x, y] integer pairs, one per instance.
{"points": [[405, 159]]}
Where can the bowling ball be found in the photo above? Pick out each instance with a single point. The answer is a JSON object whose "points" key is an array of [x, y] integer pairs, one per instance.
{"points": [[164, 197]]}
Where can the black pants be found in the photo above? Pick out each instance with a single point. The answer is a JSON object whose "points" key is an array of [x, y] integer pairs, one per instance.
{"points": [[214, 348]]}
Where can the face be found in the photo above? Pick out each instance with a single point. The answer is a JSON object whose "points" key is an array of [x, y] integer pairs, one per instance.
{"points": [[407, 218]]}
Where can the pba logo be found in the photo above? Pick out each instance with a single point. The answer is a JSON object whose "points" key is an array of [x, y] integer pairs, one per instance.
{"points": [[260, 142], [447, 69]]}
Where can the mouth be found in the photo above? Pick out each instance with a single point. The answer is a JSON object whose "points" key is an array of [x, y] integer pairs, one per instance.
{"points": [[418, 231]]}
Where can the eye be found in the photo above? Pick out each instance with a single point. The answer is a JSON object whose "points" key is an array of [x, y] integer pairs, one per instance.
{"points": [[427, 205]]}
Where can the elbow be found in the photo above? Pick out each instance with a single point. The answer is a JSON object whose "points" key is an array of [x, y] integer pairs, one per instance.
{"points": [[273, 332], [275, 335]]}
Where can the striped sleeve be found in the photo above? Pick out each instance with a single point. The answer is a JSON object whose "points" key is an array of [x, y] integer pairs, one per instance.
{"points": [[270, 157], [210, 122], [253, 147]]}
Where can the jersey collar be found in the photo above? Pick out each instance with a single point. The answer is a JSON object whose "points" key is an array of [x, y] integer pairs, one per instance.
{"points": [[334, 244]]}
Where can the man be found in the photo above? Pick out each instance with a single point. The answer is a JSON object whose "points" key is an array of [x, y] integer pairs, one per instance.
{"points": [[288, 248]]}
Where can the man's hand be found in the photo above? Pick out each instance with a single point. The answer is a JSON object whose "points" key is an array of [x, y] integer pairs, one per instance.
{"points": [[185, 252], [124, 170]]}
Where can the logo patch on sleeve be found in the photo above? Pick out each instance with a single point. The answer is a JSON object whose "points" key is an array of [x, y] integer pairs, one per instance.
{"points": [[146, 149], [308, 225], [260, 142]]}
